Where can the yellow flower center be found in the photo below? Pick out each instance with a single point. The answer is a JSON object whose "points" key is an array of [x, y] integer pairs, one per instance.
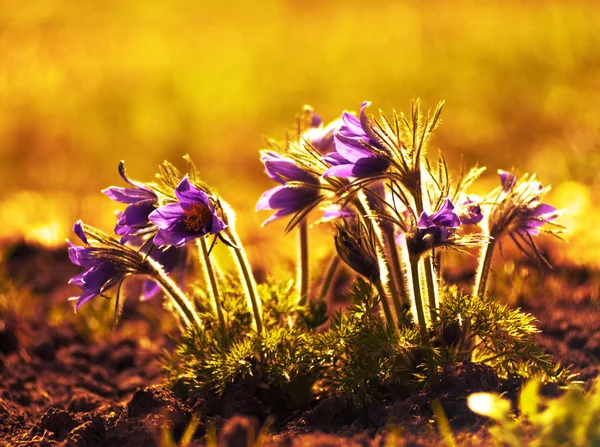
{"points": [[196, 217]]}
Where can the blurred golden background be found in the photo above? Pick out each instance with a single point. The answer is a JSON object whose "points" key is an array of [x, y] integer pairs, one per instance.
{"points": [[86, 84]]}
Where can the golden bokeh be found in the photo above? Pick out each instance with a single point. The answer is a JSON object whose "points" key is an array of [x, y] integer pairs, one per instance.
{"points": [[85, 84]]}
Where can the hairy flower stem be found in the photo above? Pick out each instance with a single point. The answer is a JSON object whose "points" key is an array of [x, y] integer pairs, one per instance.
{"points": [[384, 268], [401, 297], [427, 264], [387, 311], [414, 271], [182, 304], [329, 275], [431, 288], [211, 280], [247, 277], [483, 272], [303, 261]]}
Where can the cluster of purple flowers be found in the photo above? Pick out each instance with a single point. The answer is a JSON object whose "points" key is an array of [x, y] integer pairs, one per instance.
{"points": [[159, 229], [358, 155]]}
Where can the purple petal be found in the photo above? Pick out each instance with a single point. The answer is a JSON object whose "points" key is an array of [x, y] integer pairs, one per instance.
{"points": [[289, 198], [364, 120], [341, 171], [167, 215], [264, 203], [351, 148], [123, 175], [543, 209], [424, 221], [136, 214], [217, 225], [176, 236], [507, 180], [78, 230], [371, 166], [129, 195], [316, 120], [283, 170], [352, 126], [187, 192], [335, 159]]}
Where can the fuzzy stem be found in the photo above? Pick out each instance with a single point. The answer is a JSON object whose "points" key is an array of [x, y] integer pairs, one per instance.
{"points": [[181, 302], [401, 297], [483, 271], [431, 288], [427, 264], [328, 279], [414, 270], [211, 280], [247, 277], [362, 207], [389, 318], [303, 262]]}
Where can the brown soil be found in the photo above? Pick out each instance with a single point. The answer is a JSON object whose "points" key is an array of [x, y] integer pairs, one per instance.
{"points": [[59, 386]]}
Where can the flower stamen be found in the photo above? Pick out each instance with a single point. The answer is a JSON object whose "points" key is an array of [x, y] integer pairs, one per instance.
{"points": [[197, 216]]}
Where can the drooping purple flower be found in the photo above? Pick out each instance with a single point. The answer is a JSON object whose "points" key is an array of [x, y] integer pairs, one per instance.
{"points": [[521, 210], [530, 220], [141, 201], [287, 198], [192, 217], [283, 170], [354, 156], [440, 224], [469, 211], [321, 137], [100, 274]]}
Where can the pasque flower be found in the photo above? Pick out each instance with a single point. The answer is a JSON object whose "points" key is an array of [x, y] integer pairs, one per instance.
{"points": [[141, 201], [100, 273], [519, 209], [440, 224], [193, 216], [357, 153], [469, 211], [434, 229], [320, 136], [358, 252], [298, 190]]}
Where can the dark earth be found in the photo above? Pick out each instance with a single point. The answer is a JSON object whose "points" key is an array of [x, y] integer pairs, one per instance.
{"points": [[63, 382]]}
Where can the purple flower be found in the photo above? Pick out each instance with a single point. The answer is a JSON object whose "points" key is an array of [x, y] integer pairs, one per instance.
{"points": [[321, 137], [530, 220], [192, 217], [440, 224], [469, 211], [525, 212], [141, 202], [99, 275], [284, 170], [507, 180], [355, 156], [287, 198]]}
